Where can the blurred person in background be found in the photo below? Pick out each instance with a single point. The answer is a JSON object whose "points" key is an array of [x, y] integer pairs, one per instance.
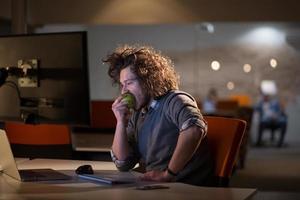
{"points": [[271, 116], [210, 102]]}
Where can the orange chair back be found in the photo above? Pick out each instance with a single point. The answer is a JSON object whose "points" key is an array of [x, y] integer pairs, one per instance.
{"points": [[102, 115], [242, 99], [227, 104], [43, 134], [225, 136]]}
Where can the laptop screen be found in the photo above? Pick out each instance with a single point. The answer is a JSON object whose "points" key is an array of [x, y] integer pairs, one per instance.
{"points": [[7, 161], [9, 167]]}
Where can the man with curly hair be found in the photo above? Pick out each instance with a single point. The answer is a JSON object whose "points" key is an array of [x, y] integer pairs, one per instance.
{"points": [[165, 132]]}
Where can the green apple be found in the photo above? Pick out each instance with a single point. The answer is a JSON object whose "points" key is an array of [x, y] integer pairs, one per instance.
{"points": [[129, 99]]}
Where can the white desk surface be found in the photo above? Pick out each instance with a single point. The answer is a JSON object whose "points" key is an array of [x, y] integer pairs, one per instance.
{"points": [[12, 189]]}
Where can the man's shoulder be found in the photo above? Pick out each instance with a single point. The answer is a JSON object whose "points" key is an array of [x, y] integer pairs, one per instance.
{"points": [[176, 96]]}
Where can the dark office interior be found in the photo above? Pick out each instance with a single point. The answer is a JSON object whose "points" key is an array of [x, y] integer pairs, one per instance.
{"points": [[237, 48]]}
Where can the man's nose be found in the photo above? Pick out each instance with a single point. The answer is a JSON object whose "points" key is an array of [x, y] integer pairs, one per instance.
{"points": [[124, 90]]}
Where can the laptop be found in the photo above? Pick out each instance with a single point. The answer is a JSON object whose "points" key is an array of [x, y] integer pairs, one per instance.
{"points": [[110, 177], [8, 166]]}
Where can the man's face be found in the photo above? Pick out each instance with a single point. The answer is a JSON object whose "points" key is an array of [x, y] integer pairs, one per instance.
{"points": [[129, 83]]}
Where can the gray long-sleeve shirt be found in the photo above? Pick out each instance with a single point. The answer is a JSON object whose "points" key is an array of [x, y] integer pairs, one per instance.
{"points": [[153, 136]]}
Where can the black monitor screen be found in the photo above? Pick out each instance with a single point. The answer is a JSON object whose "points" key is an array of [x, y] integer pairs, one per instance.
{"points": [[44, 78]]}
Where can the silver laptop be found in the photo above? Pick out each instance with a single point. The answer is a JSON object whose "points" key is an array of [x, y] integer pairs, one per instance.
{"points": [[8, 166], [110, 177]]}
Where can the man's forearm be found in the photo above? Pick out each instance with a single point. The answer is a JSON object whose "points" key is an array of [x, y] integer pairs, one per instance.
{"points": [[188, 142], [120, 145]]}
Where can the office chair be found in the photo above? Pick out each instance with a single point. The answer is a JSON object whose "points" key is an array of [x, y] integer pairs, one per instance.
{"points": [[224, 136], [39, 141], [245, 113], [102, 116]]}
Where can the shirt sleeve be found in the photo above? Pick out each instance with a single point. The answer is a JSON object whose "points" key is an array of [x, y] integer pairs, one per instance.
{"points": [[132, 159], [123, 165], [184, 113]]}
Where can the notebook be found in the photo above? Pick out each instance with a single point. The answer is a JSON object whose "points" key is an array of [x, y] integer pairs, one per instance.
{"points": [[110, 177], [8, 166]]}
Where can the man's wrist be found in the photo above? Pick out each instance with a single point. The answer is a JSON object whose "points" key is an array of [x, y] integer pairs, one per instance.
{"points": [[171, 172]]}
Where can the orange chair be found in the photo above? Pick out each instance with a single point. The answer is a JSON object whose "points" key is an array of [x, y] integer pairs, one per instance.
{"points": [[242, 99], [39, 141], [102, 115], [224, 136]]}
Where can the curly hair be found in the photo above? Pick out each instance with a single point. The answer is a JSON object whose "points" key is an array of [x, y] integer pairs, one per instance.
{"points": [[155, 71]]}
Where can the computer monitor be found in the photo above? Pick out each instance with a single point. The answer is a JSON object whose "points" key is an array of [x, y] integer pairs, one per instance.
{"points": [[47, 78]]}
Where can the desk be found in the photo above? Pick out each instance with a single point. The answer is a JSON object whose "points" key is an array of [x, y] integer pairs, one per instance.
{"points": [[12, 189]]}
